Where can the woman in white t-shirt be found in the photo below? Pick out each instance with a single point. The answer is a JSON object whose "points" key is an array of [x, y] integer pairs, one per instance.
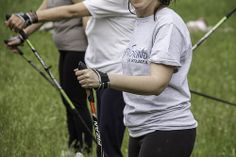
{"points": [[108, 32], [155, 68]]}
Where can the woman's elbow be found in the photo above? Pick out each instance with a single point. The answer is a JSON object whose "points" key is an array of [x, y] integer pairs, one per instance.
{"points": [[78, 10], [157, 90]]}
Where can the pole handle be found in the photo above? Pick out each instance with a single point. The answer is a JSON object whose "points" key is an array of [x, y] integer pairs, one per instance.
{"points": [[7, 16], [81, 65]]}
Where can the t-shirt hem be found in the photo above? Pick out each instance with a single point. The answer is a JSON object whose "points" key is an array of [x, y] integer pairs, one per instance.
{"points": [[138, 134]]}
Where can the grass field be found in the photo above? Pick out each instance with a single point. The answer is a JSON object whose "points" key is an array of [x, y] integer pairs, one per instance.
{"points": [[32, 117]]}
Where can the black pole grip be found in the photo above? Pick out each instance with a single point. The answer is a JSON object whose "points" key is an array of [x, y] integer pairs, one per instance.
{"points": [[81, 66], [5, 41], [7, 16], [230, 13]]}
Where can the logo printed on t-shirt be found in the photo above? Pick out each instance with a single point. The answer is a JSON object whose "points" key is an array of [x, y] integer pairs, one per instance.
{"points": [[136, 55]]}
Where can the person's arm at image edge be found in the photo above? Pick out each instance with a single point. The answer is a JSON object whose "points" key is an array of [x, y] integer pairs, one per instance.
{"points": [[17, 40], [29, 30], [18, 22], [58, 13]]}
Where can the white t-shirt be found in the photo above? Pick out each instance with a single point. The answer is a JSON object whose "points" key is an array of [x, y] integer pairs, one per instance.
{"points": [[165, 41], [108, 32]]}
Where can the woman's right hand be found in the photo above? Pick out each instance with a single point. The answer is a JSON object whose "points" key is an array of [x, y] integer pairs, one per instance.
{"points": [[87, 78]]}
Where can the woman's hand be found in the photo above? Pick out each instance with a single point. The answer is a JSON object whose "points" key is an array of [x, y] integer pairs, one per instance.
{"points": [[13, 42], [19, 21], [87, 78], [15, 23]]}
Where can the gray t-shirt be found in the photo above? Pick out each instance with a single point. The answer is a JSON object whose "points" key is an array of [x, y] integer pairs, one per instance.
{"points": [[164, 41], [68, 34]]}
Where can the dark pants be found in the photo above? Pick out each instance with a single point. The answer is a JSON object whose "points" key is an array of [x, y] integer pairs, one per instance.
{"points": [[110, 117], [78, 134], [177, 143]]}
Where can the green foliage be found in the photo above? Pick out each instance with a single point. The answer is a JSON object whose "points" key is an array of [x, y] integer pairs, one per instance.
{"points": [[32, 116]]}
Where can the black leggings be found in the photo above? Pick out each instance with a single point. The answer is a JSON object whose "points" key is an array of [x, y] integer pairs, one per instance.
{"points": [[78, 134], [178, 143], [110, 116]]}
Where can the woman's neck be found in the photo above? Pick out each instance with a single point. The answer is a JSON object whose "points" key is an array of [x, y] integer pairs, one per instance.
{"points": [[148, 10]]}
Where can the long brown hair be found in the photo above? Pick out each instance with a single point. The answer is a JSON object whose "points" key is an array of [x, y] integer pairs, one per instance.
{"points": [[165, 2], [129, 7]]}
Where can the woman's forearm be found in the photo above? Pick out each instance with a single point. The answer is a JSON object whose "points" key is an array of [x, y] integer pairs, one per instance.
{"points": [[143, 85], [63, 12], [31, 29], [152, 84]]}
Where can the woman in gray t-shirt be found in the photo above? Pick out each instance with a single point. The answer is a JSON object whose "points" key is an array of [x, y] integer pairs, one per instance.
{"points": [[154, 81]]}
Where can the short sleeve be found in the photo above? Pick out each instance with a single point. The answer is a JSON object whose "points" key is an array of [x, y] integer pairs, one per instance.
{"points": [[168, 46], [107, 8]]}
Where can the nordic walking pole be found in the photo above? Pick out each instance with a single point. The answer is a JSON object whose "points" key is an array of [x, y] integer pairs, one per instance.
{"points": [[57, 85], [53, 81], [213, 98], [36, 68], [50, 81], [227, 16], [200, 42], [90, 96], [19, 51]]}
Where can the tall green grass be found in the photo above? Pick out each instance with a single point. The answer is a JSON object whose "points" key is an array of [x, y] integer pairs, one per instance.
{"points": [[32, 117]]}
